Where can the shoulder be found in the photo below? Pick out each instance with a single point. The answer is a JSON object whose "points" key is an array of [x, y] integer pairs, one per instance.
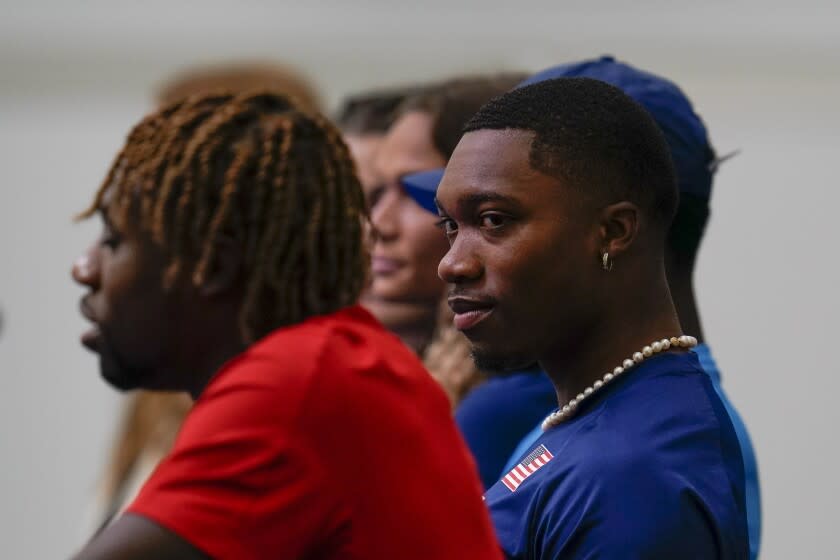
{"points": [[330, 367], [506, 407], [294, 357], [527, 385], [603, 499]]}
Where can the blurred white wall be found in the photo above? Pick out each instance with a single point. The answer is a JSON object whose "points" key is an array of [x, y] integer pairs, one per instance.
{"points": [[765, 75]]}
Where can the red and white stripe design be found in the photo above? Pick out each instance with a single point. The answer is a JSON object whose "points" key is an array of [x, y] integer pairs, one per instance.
{"points": [[531, 464]]}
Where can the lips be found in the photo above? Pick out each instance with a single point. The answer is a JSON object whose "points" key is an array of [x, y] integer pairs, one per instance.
{"points": [[90, 338], [469, 312], [384, 266]]}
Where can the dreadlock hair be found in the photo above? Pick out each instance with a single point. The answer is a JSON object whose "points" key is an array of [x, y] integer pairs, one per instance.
{"points": [[593, 136], [253, 167]]}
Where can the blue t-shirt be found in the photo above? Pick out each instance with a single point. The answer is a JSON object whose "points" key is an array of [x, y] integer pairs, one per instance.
{"points": [[752, 486], [649, 468], [495, 416]]}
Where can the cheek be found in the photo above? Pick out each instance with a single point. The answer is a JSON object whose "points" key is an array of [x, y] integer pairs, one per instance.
{"points": [[134, 304], [426, 246], [534, 272]]}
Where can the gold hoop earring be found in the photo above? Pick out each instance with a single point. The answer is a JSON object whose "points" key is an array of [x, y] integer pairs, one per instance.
{"points": [[606, 262]]}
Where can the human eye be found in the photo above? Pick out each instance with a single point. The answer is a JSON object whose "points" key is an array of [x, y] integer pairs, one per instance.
{"points": [[448, 226], [374, 196], [493, 220], [109, 238]]}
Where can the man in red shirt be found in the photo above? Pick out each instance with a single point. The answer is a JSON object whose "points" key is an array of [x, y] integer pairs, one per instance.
{"points": [[229, 266]]}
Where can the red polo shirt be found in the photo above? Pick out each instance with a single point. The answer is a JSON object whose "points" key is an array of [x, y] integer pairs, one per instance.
{"points": [[325, 439]]}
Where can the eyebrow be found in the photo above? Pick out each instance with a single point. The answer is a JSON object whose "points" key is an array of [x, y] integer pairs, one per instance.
{"points": [[476, 199]]}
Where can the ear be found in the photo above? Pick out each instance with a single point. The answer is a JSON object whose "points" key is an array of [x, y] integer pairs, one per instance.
{"points": [[619, 227], [225, 269]]}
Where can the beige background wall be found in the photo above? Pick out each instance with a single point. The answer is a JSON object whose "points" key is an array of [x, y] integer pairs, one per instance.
{"points": [[765, 75]]}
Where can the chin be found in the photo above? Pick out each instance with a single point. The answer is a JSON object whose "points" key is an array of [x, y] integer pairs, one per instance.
{"points": [[117, 372], [388, 290], [121, 384], [497, 363], [121, 379]]}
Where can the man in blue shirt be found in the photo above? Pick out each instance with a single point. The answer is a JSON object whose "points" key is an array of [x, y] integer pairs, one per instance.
{"points": [[695, 163], [557, 203]]}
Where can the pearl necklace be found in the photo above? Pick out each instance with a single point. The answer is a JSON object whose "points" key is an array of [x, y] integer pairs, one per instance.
{"points": [[656, 347]]}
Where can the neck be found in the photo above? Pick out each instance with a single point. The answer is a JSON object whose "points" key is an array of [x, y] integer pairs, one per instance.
{"points": [[215, 339], [413, 323], [681, 282], [212, 357], [630, 324]]}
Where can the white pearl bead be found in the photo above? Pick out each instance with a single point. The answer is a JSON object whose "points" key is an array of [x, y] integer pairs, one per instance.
{"points": [[684, 341]]}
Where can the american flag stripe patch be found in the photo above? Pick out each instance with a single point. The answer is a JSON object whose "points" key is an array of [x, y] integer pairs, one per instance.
{"points": [[529, 465]]}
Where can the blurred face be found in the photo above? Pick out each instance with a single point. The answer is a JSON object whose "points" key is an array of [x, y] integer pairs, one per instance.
{"points": [[407, 244], [363, 149], [523, 258], [135, 323]]}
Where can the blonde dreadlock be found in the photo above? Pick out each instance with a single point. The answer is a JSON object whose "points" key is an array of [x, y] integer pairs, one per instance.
{"points": [[255, 168]]}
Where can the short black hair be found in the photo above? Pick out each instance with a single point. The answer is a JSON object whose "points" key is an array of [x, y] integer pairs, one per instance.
{"points": [[593, 136], [372, 112]]}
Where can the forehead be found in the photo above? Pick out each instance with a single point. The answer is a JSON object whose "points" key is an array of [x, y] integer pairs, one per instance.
{"points": [[363, 146], [107, 204], [495, 163], [408, 147], [126, 220]]}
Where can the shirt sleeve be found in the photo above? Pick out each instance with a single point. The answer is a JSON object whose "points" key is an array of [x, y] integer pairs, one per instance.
{"points": [[242, 481]]}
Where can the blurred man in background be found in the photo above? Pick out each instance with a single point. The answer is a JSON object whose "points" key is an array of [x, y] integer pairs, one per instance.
{"points": [[364, 119], [405, 292]]}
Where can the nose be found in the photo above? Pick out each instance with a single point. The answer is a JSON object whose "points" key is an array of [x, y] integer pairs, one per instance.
{"points": [[461, 264], [86, 268], [384, 216]]}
